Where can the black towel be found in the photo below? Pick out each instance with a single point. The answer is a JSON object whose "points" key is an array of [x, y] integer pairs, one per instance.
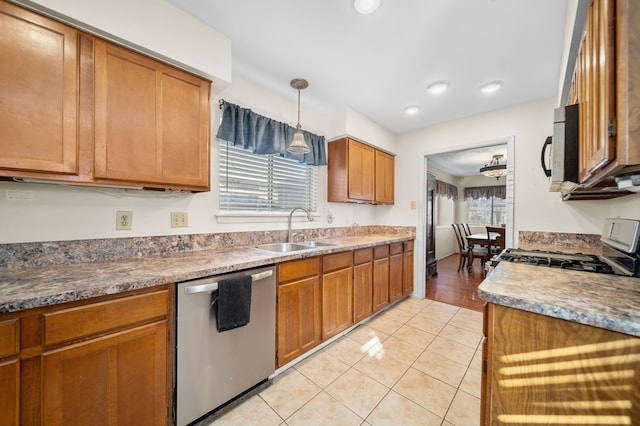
{"points": [[233, 303]]}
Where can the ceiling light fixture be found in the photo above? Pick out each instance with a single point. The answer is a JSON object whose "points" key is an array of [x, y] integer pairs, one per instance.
{"points": [[412, 110], [491, 87], [494, 168], [298, 145], [366, 7], [438, 87]]}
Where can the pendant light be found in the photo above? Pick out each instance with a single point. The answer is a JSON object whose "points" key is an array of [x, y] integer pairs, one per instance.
{"points": [[494, 168], [298, 145]]}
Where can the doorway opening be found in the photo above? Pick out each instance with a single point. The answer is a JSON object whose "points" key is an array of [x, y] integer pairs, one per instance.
{"points": [[472, 157]]}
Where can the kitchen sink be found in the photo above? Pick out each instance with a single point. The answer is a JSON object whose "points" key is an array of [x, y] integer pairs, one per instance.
{"points": [[283, 247], [317, 244], [289, 247]]}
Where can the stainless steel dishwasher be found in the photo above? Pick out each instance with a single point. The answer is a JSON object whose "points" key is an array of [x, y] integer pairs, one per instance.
{"points": [[211, 367]]}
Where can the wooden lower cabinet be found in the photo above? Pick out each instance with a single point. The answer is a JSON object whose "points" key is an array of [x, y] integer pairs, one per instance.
{"points": [[100, 361], [362, 284], [395, 272], [321, 296], [407, 267], [299, 309], [119, 379], [337, 293], [543, 370], [9, 396], [380, 277]]}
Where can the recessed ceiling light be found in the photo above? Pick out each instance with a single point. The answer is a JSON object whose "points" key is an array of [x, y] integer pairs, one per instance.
{"points": [[412, 110], [491, 87], [438, 87], [366, 6]]}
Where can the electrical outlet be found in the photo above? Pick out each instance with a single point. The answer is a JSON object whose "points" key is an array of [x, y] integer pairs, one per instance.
{"points": [[412, 205], [124, 220], [179, 219]]}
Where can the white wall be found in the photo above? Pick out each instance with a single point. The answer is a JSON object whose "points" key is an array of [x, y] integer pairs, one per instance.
{"points": [[535, 209]]}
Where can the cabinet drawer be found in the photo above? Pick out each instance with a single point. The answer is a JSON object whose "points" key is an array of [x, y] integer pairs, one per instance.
{"points": [[333, 262], [96, 318], [381, 252], [298, 269], [395, 248], [362, 256], [9, 337], [408, 245]]}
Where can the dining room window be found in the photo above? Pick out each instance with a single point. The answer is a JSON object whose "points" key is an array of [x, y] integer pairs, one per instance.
{"points": [[486, 205]]}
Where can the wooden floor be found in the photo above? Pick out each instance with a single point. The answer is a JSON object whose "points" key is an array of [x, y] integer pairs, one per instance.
{"points": [[456, 288]]}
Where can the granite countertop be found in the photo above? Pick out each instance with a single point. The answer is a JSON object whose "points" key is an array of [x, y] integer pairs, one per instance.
{"points": [[48, 285], [601, 300]]}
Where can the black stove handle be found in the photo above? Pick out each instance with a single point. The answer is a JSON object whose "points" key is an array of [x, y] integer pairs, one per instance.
{"points": [[547, 144]]}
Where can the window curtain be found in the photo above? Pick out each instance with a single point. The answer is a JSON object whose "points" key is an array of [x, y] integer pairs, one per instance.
{"points": [[262, 135], [446, 190], [475, 192]]}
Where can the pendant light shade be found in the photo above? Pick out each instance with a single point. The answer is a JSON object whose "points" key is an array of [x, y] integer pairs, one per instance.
{"points": [[298, 145], [494, 168]]}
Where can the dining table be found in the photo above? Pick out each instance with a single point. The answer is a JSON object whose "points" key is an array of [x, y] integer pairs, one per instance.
{"points": [[480, 238]]}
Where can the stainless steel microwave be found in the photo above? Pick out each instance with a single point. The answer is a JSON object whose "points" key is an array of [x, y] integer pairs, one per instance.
{"points": [[564, 150]]}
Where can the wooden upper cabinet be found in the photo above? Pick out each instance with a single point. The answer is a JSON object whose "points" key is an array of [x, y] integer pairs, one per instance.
{"points": [[595, 72], [607, 87], [39, 101], [385, 178], [151, 121], [358, 174], [75, 108]]}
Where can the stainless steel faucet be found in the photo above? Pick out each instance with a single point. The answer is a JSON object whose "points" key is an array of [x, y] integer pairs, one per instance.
{"points": [[309, 216]]}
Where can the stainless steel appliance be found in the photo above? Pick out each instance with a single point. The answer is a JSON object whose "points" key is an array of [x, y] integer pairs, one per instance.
{"points": [[620, 256], [564, 149], [211, 367]]}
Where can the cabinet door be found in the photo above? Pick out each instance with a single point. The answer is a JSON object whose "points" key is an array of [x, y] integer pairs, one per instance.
{"points": [[362, 291], [299, 318], [116, 379], [337, 302], [407, 268], [9, 372], [595, 76], [380, 283], [361, 168], [395, 277], [385, 177], [39, 86], [550, 368], [151, 121], [9, 396]]}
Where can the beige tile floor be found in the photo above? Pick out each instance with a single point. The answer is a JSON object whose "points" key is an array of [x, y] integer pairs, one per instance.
{"points": [[417, 363]]}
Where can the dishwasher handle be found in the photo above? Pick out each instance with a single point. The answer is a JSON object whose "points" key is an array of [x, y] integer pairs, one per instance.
{"points": [[213, 286]]}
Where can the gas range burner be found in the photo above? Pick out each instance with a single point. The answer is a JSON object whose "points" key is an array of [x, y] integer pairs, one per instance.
{"points": [[570, 261], [620, 253]]}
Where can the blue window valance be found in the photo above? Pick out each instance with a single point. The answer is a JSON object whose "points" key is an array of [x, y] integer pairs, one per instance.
{"points": [[262, 135]]}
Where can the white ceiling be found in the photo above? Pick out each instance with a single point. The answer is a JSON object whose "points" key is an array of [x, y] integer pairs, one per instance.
{"points": [[468, 161], [380, 63]]}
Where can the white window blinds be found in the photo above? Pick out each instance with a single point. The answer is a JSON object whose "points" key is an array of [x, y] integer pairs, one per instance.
{"points": [[264, 183]]}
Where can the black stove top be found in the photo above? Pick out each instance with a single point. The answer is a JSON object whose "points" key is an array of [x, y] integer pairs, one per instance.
{"points": [[570, 261]]}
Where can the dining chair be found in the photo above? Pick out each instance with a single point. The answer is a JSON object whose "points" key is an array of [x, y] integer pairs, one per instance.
{"points": [[467, 229], [499, 243], [462, 246]]}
